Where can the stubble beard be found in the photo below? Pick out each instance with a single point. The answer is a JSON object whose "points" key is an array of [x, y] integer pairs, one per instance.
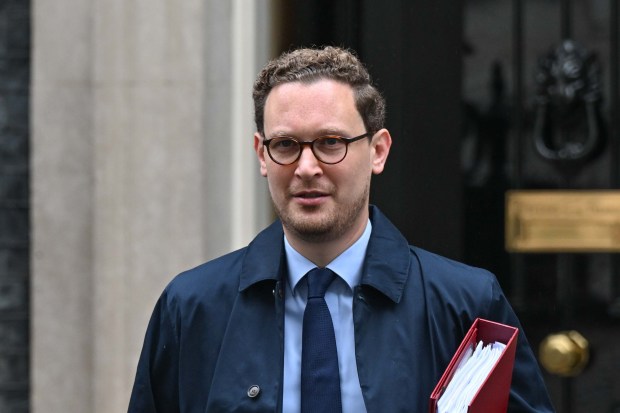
{"points": [[328, 225]]}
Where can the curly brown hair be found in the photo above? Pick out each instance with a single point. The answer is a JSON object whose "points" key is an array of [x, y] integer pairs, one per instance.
{"points": [[310, 65]]}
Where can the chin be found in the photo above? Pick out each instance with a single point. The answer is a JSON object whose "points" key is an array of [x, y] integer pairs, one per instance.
{"points": [[309, 225], [312, 233]]}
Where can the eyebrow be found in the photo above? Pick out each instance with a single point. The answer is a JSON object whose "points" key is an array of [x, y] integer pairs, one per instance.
{"points": [[319, 133]]}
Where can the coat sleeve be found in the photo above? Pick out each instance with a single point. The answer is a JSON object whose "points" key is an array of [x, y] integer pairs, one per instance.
{"points": [[155, 389], [528, 391]]}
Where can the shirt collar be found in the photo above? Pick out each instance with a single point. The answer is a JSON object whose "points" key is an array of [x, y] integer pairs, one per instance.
{"points": [[347, 265], [388, 263]]}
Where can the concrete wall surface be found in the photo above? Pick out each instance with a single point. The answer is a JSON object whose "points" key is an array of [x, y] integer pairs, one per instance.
{"points": [[141, 162]]}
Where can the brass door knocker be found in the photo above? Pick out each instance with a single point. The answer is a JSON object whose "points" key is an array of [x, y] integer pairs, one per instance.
{"points": [[568, 126]]}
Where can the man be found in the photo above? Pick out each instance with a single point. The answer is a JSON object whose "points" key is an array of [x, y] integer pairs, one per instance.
{"points": [[231, 335]]}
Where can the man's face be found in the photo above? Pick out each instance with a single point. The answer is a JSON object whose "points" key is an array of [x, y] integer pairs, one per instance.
{"points": [[315, 201]]}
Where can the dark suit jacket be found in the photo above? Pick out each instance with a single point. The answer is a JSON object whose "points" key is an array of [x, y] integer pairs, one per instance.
{"points": [[217, 330]]}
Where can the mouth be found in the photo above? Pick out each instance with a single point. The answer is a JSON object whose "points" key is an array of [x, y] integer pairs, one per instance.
{"points": [[310, 197], [309, 194]]}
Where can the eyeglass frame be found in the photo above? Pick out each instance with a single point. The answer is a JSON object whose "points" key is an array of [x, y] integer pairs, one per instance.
{"points": [[301, 144]]}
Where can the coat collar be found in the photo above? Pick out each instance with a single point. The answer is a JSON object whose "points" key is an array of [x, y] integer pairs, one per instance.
{"points": [[386, 266]]}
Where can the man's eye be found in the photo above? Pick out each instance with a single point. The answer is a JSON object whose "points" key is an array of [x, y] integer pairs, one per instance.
{"points": [[283, 144], [330, 141]]}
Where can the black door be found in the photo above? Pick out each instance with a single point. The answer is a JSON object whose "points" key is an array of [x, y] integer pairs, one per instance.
{"points": [[484, 97], [540, 99]]}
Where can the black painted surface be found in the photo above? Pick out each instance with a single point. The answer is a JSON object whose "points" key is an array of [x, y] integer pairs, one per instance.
{"points": [[413, 52], [14, 205], [460, 87]]}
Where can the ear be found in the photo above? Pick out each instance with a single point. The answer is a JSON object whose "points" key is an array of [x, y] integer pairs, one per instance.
{"points": [[381, 143], [259, 148]]}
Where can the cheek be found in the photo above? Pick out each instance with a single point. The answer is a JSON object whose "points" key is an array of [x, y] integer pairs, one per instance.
{"points": [[276, 179], [352, 178], [358, 171]]}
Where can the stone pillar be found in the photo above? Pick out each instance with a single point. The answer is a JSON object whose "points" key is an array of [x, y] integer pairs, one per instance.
{"points": [[142, 167], [148, 173], [62, 139]]}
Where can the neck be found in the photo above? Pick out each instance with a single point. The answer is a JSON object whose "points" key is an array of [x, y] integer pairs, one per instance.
{"points": [[323, 252]]}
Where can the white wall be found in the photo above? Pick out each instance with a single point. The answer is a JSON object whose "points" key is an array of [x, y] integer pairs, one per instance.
{"points": [[142, 166]]}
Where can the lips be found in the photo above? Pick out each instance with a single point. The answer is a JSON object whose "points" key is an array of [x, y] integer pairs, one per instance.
{"points": [[310, 197], [309, 193]]}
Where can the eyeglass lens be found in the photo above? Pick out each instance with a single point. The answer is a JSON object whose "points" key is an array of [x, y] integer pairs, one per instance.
{"points": [[327, 149]]}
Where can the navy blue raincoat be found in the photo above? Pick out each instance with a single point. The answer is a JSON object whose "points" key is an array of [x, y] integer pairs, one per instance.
{"points": [[215, 340]]}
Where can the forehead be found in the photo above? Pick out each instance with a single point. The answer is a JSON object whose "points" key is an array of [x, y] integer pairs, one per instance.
{"points": [[322, 104]]}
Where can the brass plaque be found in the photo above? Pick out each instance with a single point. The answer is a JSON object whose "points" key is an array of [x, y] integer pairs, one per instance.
{"points": [[563, 221]]}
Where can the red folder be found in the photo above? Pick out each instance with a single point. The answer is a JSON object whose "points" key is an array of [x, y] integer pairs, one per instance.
{"points": [[492, 396]]}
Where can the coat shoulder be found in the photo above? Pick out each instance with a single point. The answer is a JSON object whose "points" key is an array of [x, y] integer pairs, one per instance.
{"points": [[442, 269], [209, 278], [449, 280]]}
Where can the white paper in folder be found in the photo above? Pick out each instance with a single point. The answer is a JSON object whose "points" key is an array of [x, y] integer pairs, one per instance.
{"points": [[469, 376]]}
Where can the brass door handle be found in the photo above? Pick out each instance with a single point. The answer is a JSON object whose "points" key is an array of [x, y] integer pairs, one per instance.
{"points": [[565, 353]]}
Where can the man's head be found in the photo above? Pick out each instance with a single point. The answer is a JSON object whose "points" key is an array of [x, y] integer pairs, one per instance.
{"points": [[317, 148], [310, 65]]}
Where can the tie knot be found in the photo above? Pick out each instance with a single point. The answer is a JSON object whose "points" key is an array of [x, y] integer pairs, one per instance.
{"points": [[318, 281]]}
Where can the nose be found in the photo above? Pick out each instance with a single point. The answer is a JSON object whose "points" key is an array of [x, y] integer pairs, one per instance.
{"points": [[308, 165]]}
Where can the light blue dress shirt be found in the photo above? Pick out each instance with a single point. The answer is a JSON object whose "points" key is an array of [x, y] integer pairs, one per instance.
{"points": [[339, 298]]}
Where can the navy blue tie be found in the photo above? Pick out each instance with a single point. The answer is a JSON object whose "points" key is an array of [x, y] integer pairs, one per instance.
{"points": [[320, 378]]}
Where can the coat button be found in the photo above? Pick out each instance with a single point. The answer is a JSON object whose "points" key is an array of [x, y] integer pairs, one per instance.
{"points": [[253, 391]]}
